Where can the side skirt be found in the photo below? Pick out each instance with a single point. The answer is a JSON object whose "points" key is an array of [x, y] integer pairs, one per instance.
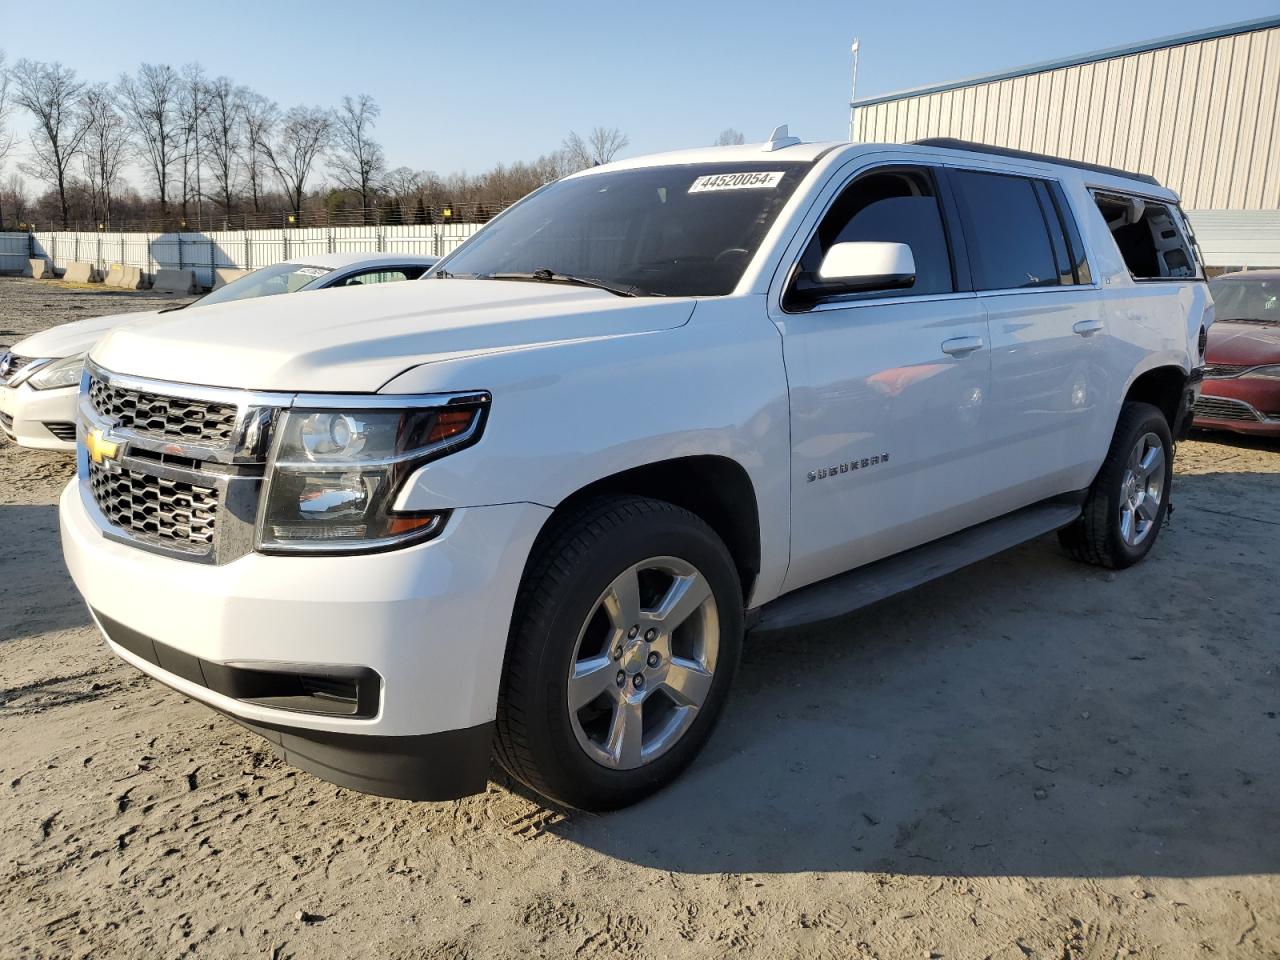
{"points": [[863, 586]]}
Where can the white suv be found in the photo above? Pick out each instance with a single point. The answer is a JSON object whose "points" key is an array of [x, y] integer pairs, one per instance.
{"points": [[531, 504]]}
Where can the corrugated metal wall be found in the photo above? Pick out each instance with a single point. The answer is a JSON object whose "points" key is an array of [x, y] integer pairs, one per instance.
{"points": [[1203, 117], [241, 249], [1238, 238]]}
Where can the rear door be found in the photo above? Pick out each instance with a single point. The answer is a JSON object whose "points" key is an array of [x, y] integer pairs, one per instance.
{"points": [[886, 387], [1045, 405]]}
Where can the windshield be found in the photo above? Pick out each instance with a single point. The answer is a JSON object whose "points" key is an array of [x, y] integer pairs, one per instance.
{"points": [[656, 231], [267, 282], [1257, 301]]}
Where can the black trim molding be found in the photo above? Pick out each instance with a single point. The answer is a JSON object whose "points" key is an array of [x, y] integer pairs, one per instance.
{"points": [[330, 690]]}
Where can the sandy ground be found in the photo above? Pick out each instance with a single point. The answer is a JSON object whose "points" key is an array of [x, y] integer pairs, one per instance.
{"points": [[1032, 758]]}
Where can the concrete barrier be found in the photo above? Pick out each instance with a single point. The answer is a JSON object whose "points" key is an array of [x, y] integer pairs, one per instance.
{"points": [[132, 279], [41, 269], [224, 275], [81, 271], [115, 275], [174, 281]]}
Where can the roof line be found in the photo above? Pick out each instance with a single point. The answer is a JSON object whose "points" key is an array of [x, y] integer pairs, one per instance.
{"points": [[1212, 33]]}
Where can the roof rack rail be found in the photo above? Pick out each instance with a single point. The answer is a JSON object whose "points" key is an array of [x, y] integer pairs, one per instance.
{"points": [[951, 143]]}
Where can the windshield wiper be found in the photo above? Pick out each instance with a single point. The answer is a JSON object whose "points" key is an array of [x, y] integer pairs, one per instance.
{"points": [[550, 276]]}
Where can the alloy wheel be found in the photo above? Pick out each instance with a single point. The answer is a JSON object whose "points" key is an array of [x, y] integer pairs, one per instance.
{"points": [[643, 663], [1142, 489]]}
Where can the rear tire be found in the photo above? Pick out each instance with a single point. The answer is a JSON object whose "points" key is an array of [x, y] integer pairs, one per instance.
{"points": [[624, 642], [1129, 498]]}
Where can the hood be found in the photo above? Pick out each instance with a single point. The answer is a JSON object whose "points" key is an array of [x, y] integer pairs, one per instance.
{"points": [[68, 339], [1231, 341], [353, 341]]}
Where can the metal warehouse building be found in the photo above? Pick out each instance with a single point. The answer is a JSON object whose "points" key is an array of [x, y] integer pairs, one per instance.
{"points": [[1200, 111]]}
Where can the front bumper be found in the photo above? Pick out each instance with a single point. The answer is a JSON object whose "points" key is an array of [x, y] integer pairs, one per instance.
{"points": [[44, 419], [429, 622]]}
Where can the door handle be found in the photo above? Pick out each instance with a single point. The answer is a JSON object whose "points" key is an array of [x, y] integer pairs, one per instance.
{"points": [[1087, 327], [961, 346]]}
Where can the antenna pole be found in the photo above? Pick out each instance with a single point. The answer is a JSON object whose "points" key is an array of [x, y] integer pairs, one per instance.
{"points": [[853, 85]]}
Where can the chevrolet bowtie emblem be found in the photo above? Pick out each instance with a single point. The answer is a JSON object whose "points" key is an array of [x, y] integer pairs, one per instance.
{"points": [[99, 447]]}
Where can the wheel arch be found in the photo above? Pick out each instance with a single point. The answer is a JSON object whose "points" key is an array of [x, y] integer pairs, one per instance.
{"points": [[1163, 387], [716, 488]]}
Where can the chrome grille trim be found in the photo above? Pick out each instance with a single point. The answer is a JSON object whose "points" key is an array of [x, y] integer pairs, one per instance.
{"points": [[1225, 408], [191, 494], [64, 431], [11, 365], [1225, 371]]}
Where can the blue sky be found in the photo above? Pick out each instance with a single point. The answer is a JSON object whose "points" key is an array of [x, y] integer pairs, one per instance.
{"points": [[463, 86]]}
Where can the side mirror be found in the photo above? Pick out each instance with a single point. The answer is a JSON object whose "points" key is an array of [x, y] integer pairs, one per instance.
{"points": [[866, 265]]}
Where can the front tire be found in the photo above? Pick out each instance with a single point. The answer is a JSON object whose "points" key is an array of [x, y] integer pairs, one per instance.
{"points": [[1129, 498], [624, 642]]}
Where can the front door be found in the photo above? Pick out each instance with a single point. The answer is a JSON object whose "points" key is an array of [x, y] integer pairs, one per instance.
{"points": [[887, 388]]}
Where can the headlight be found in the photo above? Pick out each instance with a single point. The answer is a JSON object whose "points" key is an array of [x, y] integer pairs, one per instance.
{"points": [[1269, 373], [335, 475], [57, 373]]}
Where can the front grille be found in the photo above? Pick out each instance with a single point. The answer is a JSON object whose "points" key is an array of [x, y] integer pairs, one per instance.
{"points": [[1222, 408], [193, 421], [170, 513], [6, 422], [64, 431], [1225, 371], [11, 365]]}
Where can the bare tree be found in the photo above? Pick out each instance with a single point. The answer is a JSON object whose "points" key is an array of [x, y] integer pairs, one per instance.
{"points": [[106, 149], [303, 136], [404, 181], [601, 145], [358, 159], [401, 185], [222, 129], [151, 105], [14, 193], [259, 116], [53, 95], [6, 137], [192, 103], [730, 137]]}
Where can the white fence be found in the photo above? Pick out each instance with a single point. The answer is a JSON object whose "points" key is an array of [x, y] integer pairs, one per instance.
{"points": [[239, 249]]}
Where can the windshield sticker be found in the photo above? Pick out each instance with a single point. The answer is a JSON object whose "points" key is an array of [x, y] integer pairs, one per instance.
{"points": [[736, 181], [311, 271]]}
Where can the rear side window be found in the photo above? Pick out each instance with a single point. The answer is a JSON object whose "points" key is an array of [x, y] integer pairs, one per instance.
{"points": [[1150, 237], [381, 275], [1008, 231], [1075, 245]]}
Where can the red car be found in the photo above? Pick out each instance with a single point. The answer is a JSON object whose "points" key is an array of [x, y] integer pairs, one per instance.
{"points": [[1241, 390]]}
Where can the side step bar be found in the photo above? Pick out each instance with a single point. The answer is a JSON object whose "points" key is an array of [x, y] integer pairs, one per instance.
{"points": [[863, 586]]}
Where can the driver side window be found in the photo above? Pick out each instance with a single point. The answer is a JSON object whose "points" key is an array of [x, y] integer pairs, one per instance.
{"points": [[898, 205]]}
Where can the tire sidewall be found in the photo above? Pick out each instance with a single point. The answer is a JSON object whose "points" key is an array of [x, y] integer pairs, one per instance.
{"points": [[570, 772]]}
